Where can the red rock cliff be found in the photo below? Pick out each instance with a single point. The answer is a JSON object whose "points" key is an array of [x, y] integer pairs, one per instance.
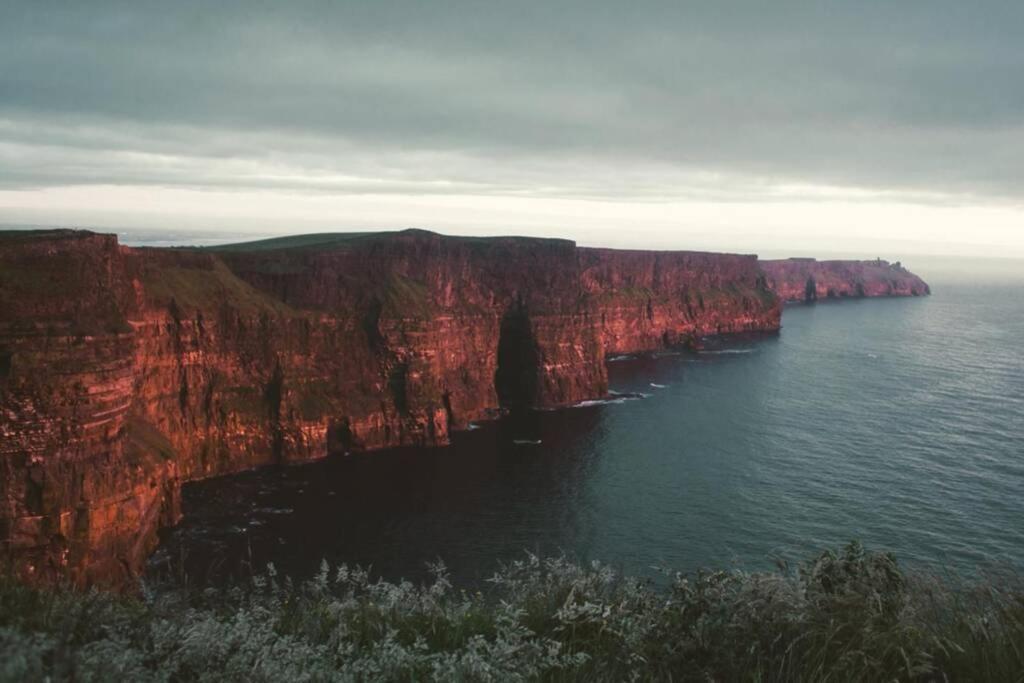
{"points": [[806, 279], [650, 299], [124, 372]]}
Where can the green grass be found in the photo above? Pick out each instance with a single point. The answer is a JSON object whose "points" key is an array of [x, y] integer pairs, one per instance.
{"points": [[309, 241], [203, 289], [842, 616], [33, 235], [328, 240], [403, 297]]}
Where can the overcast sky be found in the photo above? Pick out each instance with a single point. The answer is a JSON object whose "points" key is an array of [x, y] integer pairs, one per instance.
{"points": [[753, 126]]}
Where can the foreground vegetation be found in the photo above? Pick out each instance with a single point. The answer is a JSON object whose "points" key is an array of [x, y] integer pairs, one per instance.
{"points": [[851, 615]]}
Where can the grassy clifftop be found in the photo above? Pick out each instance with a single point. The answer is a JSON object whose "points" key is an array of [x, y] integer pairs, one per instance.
{"points": [[341, 240], [851, 615]]}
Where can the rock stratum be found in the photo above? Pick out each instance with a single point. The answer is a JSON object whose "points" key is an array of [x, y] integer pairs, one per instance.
{"points": [[125, 372]]}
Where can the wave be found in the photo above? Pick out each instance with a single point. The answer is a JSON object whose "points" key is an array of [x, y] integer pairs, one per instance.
{"points": [[526, 442], [718, 352], [593, 402], [658, 386], [613, 398], [628, 394], [274, 511]]}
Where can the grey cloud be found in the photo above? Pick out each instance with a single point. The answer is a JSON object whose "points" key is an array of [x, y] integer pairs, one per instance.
{"points": [[921, 97]]}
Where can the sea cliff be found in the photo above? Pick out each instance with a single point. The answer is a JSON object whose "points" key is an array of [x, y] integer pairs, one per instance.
{"points": [[808, 280], [125, 372]]}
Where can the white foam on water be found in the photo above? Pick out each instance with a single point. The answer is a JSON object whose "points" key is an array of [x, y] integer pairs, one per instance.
{"points": [[526, 442], [628, 396], [613, 398], [593, 402], [274, 511], [718, 352], [658, 386]]}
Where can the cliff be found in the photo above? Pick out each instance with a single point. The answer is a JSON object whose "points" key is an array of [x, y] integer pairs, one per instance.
{"points": [[124, 372], [807, 279]]}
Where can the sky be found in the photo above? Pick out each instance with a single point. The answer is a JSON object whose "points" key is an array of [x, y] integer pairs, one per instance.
{"points": [[775, 127]]}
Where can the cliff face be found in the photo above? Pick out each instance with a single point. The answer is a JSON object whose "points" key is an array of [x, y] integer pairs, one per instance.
{"points": [[74, 489], [650, 299], [805, 279], [124, 372]]}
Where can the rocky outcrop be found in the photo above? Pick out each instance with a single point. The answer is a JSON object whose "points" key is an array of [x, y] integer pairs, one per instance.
{"points": [[124, 372], [808, 280]]}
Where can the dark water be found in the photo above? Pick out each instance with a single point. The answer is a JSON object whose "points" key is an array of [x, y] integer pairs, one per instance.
{"points": [[899, 422]]}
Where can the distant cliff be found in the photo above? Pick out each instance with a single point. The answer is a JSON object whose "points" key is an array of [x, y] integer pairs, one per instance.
{"points": [[807, 279], [124, 372]]}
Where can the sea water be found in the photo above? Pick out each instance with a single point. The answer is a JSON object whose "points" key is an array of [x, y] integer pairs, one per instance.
{"points": [[899, 422]]}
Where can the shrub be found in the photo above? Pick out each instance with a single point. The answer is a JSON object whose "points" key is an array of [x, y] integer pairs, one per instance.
{"points": [[847, 615]]}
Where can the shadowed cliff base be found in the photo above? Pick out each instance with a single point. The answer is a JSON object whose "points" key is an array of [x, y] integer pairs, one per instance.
{"points": [[516, 378], [284, 350]]}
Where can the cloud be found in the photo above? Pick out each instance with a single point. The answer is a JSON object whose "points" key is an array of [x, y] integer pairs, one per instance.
{"points": [[636, 101]]}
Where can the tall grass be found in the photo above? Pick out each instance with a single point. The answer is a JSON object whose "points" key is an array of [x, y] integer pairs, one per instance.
{"points": [[850, 615]]}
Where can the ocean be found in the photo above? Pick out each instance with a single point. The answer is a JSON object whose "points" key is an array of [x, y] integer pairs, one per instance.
{"points": [[899, 422]]}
